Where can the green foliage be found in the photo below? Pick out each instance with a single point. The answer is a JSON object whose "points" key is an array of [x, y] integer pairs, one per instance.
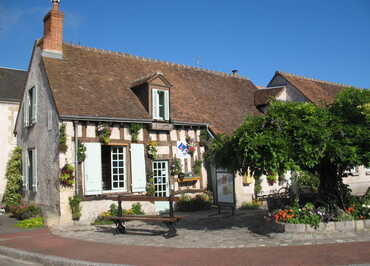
{"points": [[152, 150], [74, 204], [103, 131], [324, 140], [257, 186], [81, 155], [13, 174], [189, 204], [66, 177], [62, 138], [306, 179], [253, 205], [136, 209], [150, 188], [36, 222], [176, 167], [271, 179], [134, 131], [197, 168], [24, 211], [113, 211], [204, 138]]}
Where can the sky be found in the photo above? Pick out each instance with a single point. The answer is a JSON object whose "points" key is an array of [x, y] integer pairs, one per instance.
{"points": [[322, 39]]}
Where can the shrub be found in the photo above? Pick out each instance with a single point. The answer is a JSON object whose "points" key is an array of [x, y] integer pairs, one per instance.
{"points": [[74, 204], [13, 174], [176, 167], [150, 187], [188, 204], [253, 205], [35, 222], [113, 211], [24, 211], [81, 155], [257, 186], [306, 179]]}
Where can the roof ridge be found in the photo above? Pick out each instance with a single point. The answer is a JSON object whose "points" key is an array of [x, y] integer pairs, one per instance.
{"points": [[313, 79], [12, 68], [219, 73]]}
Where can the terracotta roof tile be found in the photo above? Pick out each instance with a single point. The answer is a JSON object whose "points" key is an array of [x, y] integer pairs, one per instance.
{"points": [[92, 82]]}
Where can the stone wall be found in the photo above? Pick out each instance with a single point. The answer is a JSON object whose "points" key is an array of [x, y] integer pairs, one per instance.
{"points": [[43, 136]]}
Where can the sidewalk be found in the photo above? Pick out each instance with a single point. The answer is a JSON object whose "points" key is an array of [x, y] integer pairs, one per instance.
{"points": [[44, 242]]}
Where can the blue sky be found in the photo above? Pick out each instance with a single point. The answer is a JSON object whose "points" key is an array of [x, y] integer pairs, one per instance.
{"points": [[324, 39]]}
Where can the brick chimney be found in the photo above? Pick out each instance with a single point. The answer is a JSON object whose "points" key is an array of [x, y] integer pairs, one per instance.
{"points": [[52, 42]]}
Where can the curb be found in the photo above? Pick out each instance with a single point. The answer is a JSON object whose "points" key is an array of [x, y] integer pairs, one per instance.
{"points": [[48, 259]]}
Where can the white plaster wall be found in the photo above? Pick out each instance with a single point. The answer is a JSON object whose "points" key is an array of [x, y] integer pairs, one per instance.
{"points": [[8, 115], [90, 210]]}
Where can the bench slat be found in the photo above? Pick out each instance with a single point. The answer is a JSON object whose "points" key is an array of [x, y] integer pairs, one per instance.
{"points": [[145, 218]]}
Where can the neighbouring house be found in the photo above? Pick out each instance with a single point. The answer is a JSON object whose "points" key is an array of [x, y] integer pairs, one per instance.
{"points": [[11, 87], [87, 91], [290, 87]]}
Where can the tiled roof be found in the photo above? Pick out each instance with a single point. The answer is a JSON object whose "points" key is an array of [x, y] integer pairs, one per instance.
{"points": [[12, 82], [92, 82], [315, 90], [262, 96]]}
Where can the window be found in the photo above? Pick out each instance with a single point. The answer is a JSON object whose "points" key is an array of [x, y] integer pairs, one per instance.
{"points": [[30, 170], [160, 176], [160, 104], [30, 107], [113, 167]]}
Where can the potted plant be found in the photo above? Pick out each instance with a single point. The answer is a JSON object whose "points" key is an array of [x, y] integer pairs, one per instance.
{"points": [[271, 179], [66, 177], [103, 131], [176, 167], [190, 146]]}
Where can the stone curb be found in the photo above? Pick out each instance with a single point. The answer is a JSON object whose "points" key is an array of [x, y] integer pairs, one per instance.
{"points": [[330, 227], [48, 259]]}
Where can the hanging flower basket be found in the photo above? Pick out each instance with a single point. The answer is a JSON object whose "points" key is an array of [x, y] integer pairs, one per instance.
{"points": [[103, 131], [190, 146], [152, 150]]}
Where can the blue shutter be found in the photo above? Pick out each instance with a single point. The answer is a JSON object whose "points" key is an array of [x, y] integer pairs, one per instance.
{"points": [[93, 169], [138, 172]]}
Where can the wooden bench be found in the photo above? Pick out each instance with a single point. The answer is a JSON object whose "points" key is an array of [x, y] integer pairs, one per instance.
{"points": [[167, 220], [120, 219]]}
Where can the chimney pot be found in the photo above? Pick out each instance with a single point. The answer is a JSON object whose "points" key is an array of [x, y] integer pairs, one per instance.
{"points": [[235, 72]]}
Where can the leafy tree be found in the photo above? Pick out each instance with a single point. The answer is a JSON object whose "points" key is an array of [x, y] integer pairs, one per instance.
{"points": [[325, 140], [13, 191]]}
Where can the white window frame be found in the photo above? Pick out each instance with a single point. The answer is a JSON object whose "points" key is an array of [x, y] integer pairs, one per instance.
{"points": [[160, 192], [156, 106], [29, 119], [123, 167]]}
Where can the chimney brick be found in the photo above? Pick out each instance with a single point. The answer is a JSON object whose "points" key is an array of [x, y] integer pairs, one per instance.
{"points": [[52, 42]]}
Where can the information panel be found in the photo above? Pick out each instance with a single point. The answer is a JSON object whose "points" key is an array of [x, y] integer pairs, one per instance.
{"points": [[225, 187]]}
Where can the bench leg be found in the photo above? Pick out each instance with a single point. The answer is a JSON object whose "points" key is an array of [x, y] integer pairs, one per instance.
{"points": [[171, 230], [120, 227]]}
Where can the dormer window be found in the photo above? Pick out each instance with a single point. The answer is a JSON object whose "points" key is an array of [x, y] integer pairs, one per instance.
{"points": [[161, 104]]}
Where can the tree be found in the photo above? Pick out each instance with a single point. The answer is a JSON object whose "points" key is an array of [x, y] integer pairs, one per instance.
{"points": [[326, 140]]}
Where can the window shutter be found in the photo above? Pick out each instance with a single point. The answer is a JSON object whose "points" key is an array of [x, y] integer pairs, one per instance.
{"points": [[50, 120], [24, 169], [167, 105], [93, 169], [155, 103], [25, 112], [34, 170], [34, 105], [138, 168]]}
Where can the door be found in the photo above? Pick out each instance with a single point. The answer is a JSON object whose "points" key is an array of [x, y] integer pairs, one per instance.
{"points": [[160, 176]]}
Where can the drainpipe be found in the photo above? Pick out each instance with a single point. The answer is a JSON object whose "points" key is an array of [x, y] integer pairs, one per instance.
{"points": [[76, 157]]}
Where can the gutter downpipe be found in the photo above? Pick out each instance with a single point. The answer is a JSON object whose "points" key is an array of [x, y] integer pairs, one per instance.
{"points": [[76, 158]]}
